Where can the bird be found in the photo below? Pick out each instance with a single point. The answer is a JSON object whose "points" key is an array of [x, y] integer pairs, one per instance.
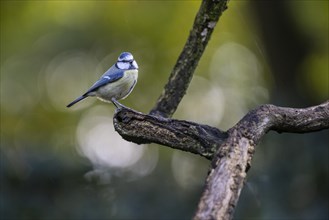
{"points": [[116, 83]]}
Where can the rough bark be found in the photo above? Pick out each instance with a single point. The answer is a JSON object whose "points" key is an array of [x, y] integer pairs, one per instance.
{"points": [[231, 152], [181, 75], [233, 158], [179, 134]]}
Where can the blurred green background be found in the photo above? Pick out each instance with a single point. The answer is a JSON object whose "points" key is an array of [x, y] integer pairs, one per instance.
{"points": [[59, 163]]}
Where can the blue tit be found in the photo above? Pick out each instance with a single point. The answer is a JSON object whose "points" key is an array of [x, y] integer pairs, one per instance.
{"points": [[116, 83]]}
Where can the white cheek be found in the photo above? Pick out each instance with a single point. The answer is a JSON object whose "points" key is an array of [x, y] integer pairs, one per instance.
{"points": [[123, 66]]}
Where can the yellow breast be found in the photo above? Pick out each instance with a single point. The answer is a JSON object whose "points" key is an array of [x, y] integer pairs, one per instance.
{"points": [[119, 89]]}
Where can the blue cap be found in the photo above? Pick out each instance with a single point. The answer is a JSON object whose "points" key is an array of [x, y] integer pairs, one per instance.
{"points": [[125, 57]]}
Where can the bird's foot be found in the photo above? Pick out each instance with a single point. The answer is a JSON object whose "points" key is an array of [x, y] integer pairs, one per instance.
{"points": [[117, 104]]}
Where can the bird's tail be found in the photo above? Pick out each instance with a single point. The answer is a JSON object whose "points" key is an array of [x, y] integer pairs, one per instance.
{"points": [[77, 100]]}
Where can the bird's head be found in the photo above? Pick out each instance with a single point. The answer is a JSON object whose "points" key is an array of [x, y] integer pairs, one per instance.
{"points": [[126, 62]]}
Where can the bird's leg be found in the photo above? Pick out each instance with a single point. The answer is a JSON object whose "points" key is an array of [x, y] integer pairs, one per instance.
{"points": [[117, 104]]}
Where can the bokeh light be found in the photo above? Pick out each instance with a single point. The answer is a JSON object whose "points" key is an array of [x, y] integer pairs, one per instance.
{"points": [[202, 96], [189, 170], [239, 74], [101, 144], [57, 162]]}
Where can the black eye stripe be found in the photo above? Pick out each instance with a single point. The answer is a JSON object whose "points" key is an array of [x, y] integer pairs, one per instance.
{"points": [[128, 61]]}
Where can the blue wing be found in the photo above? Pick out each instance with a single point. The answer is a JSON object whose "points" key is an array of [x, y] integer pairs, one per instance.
{"points": [[108, 77]]}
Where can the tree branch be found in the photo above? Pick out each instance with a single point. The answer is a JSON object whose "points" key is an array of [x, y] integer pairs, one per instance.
{"points": [[225, 179], [179, 134], [232, 160], [204, 140], [231, 152], [181, 75], [311, 119], [281, 119]]}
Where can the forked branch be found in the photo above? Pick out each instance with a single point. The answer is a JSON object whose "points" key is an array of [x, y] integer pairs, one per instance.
{"points": [[233, 158], [231, 152]]}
